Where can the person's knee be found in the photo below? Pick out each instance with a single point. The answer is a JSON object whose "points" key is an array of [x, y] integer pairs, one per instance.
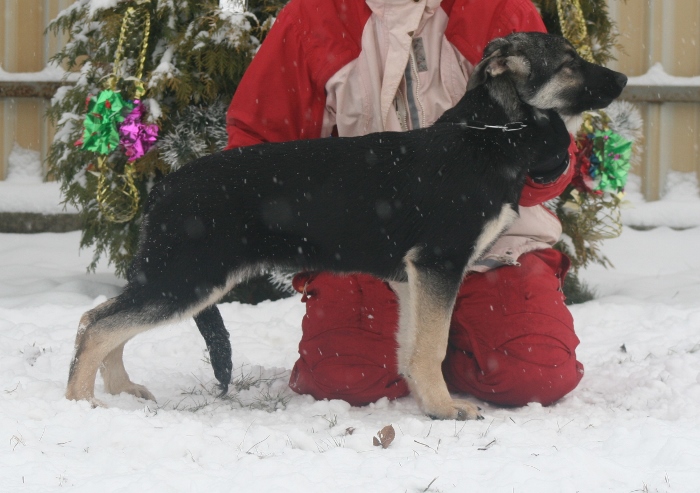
{"points": [[540, 368], [348, 348], [512, 339], [530, 368], [537, 349], [353, 379]]}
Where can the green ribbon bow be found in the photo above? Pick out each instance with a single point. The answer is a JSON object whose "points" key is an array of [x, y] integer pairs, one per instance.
{"points": [[104, 112], [614, 155]]}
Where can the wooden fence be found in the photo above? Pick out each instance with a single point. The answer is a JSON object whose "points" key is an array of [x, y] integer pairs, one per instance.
{"points": [[651, 31], [25, 50], [666, 32]]}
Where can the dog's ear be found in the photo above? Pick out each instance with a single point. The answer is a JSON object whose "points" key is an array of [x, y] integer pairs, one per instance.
{"points": [[497, 44], [498, 60], [491, 60], [490, 66]]}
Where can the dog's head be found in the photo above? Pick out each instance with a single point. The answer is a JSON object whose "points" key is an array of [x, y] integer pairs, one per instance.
{"points": [[547, 74]]}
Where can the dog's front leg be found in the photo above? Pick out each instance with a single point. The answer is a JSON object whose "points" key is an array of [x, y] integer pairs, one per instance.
{"points": [[425, 310]]}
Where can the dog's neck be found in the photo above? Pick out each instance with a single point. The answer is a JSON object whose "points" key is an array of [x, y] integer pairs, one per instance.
{"points": [[495, 102]]}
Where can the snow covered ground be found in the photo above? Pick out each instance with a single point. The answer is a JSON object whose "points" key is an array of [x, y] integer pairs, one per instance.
{"points": [[633, 424]]}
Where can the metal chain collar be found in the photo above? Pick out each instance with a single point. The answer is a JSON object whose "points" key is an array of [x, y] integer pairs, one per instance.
{"points": [[508, 127]]}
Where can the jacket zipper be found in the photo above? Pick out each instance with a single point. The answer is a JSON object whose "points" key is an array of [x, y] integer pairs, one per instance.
{"points": [[403, 104], [416, 81], [401, 109]]}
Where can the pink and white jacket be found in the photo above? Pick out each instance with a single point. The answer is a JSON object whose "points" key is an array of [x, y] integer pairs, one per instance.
{"points": [[351, 67]]}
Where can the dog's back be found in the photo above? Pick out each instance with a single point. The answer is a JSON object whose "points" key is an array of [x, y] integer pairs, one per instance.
{"points": [[345, 205]]}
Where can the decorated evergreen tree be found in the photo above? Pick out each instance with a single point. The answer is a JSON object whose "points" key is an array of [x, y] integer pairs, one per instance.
{"points": [[151, 72], [156, 77], [174, 64]]}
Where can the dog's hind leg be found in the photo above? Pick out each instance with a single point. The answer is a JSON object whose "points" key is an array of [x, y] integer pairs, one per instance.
{"points": [[425, 305], [116, 378], [101, 336], [212, 328]]}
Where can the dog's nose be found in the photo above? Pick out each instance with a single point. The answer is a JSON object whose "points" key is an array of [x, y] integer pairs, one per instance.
{"points": [[621, 80]]}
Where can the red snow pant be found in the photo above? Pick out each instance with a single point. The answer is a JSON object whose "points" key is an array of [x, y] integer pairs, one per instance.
{"points": [[511, 337]]}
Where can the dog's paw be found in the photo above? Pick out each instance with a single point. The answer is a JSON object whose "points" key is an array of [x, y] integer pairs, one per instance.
{"points": [[466, 410], [73, 394], [459, 410], [139, 391], [97, 403]]}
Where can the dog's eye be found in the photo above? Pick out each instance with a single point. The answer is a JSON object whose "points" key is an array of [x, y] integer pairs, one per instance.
{"points": [[568, 63]]}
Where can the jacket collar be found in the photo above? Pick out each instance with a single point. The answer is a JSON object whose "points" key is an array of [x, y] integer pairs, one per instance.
{"points": [[379, 6], [400, 19]]}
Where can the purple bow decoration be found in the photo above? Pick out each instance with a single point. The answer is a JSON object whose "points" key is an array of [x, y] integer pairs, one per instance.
{"points": [[137, 137]]}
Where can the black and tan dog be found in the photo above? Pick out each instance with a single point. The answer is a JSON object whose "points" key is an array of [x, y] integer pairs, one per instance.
{"points": [[416, 208]]}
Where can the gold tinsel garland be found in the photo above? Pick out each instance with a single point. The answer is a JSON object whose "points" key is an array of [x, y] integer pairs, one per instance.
{"points": [[573, 27]]}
